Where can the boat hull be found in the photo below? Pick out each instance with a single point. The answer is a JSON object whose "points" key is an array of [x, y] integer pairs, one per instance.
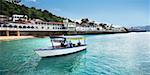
{"points": [[57, 52]]}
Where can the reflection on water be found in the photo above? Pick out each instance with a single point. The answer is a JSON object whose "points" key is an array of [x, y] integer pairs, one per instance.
{"points": [[16, 56], [62, 64], [113, 54]]}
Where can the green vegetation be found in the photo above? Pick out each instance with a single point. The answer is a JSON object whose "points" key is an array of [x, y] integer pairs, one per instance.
{"points": [[7, 8]]}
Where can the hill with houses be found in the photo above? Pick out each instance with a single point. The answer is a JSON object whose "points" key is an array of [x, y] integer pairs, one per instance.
{"points": [[10, 7]]}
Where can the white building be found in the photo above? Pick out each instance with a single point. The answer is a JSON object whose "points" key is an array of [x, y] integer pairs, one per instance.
{"points": [[3, 18], [99, 28], [86, 28], [17, 1], [70, 26], [19, 17]]}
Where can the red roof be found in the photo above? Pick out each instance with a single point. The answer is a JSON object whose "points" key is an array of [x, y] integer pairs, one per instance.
{"points": [[51, 22], [55, 22]]}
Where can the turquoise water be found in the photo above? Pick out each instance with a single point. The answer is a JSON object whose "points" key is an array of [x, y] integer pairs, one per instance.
{"points": [[113, 54]]}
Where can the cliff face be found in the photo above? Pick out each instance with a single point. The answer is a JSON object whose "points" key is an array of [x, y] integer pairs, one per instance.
{"points": [[9, 8]]}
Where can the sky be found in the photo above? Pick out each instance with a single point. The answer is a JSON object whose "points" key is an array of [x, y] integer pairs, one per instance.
{"points": [[117, 12]]}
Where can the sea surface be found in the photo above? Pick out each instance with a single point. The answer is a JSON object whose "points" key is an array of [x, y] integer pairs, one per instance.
{"points": [[106, 54]]}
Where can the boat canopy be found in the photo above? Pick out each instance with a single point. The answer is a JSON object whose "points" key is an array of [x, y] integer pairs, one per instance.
{"points": [[67, 41], [69, 37]]}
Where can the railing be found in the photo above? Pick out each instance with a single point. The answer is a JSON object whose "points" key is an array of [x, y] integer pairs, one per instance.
{"points": [[34, 27], [24, 27], [20, 29]]}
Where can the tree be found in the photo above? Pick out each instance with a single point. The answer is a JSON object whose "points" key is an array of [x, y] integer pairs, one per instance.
{"points": [[45, 11], [33, 8], [40, 10], [8, 9], [85, 20], [103, 25]]}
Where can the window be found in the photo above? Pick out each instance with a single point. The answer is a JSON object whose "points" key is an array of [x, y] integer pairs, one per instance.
{"points": [[10, 26], [63, 28], [4, 25], [32, 27], [47, 27], [15, 26], [28, 27], [24, 26], [42, 27], [20, 26]]}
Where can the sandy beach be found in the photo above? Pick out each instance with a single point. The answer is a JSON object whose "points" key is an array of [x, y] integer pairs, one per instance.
{"points": [[8, 38]]}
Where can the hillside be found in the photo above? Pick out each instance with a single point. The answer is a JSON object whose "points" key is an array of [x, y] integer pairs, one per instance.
{"points": [[7, 8]]}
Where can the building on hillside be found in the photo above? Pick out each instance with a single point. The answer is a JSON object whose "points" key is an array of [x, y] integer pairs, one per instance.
{"points": [[20, 25], [4, 18], [17, 2], [100, 28], [16, 18], [14, 1], [86, 28], [70, 26]]}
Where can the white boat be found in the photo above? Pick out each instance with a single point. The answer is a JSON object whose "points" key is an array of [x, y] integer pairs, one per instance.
{"points": [[65, 45]]}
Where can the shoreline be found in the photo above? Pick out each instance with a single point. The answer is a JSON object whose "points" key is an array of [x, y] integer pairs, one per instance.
{"points": [[10, 38]]}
